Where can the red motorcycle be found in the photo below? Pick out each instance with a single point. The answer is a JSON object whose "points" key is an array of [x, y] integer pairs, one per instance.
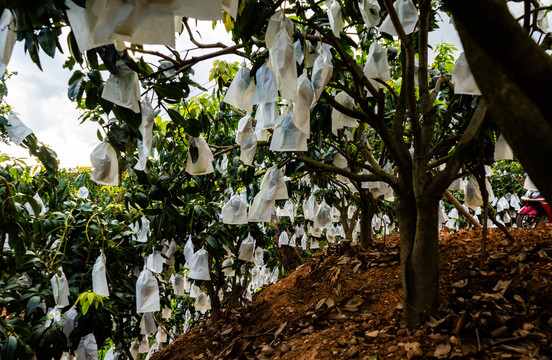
{"points": [[536, 210]]}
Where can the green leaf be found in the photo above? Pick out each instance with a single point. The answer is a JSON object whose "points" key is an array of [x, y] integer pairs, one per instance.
{"points": [[32, 304], [194, 153], [47, 42], [169, 92], [73, 47], [9, 349], [85, 307], [176, 117]]}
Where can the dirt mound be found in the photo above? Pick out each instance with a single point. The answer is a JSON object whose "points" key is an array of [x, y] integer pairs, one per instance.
{"points": [[345, 303]]}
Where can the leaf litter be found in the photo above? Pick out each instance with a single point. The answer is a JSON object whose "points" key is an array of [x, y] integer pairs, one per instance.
{"points": [[346, 303]]}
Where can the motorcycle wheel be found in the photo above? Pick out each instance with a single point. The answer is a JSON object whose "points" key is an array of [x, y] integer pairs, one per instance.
{"points": [[526, 221]]}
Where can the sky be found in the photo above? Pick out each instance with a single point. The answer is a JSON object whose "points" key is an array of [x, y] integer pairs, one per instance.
{"points": [[40, 97]]}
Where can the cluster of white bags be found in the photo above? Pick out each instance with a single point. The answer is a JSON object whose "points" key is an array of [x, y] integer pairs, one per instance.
{"points": [[204, 162], [105, 165]]}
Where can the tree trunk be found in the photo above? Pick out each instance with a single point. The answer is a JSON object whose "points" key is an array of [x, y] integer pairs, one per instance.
{"points": [[367, 210], [425, 262], [418, 222], [406, 212]]}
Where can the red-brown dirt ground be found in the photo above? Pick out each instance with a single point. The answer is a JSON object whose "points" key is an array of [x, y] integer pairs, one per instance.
{"points": [[345, 303]]}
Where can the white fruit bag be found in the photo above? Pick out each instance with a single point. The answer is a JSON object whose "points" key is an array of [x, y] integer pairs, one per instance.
{"points": [[322, 71], [289, 208], [60, 288], [166, 312], [304, 242], [177, 282], [155, 262], [141, 230], [335, 18], [283, 239], [502, 150], [310, 208], [286, 136], [514, 202], [340, 120], [147, 324], [88, 349], [408, 17], [144, 345], [161, 336], [266, 116], [247, 249], [473, 196], [123, 89], [273, 186], [17, 131], [248, 147], [323, 216], [204, 162], [314, 244], [83, 22], [150, 22], [105, 165], [464, 82], [241, 90], [8, 36], [199, 266], [369, 9], [68, 320], [83, 193], [227, 269], [277, 22], [203, 302], [200, 10], [231, 7], [40, 204], [261, 210], [303, 103], [299, 56], [99, 276], [189, 252], [377, 65], [502, 204], [282, 63], [111, 355], [146, 130], [293, 240], [266, 89], [528, 184], [134, 349], [234, 211], [147, 293], [259, 256]]}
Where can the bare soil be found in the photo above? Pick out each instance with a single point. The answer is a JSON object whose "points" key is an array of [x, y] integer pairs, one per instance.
{"points": [[345, 303]]}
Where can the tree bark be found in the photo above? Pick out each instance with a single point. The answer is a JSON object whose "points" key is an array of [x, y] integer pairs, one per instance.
{"points": [[511, 71], [424, 280], [406, 212], [368, 208]]}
